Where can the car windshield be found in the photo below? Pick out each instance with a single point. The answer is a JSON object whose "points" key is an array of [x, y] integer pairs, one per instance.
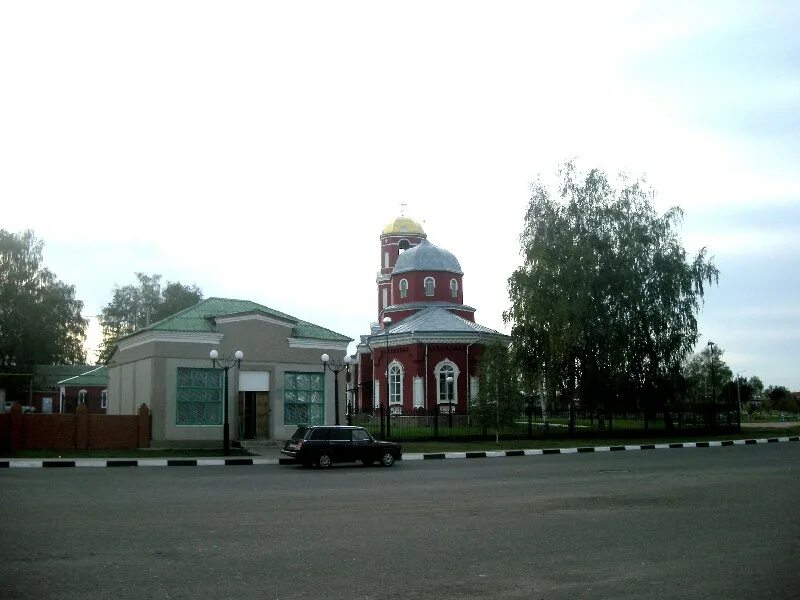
{"points": [[300, 433]]}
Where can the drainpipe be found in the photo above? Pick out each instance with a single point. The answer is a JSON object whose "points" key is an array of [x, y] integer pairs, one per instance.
{"points": [[469, 383], [426, 377], [372, 395]]}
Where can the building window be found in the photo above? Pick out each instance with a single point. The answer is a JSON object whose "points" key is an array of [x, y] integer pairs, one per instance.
{"points": [[447, 391], [385, 260], [104, 399], [403, 288], [403, 245], [82, 397], [453, 288], [385, 297], [430, 286], [395, 383], [304, 399], [199, 397]]}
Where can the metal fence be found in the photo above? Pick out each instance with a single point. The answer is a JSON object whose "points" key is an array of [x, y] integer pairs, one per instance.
{"points": [[439, 425]]}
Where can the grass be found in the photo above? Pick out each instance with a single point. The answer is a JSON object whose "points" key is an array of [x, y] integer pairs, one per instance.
{"points": [[125, 453], [518, 444]]}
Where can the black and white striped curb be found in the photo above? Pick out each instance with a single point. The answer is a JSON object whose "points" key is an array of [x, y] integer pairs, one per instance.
{"points": [[582, 449], [232, 462]]}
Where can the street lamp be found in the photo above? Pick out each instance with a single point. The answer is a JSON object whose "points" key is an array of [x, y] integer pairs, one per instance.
{"points": [[226, 363], [713, 390], [450, 401], [336, 367], [387, 321], [739, 396]]}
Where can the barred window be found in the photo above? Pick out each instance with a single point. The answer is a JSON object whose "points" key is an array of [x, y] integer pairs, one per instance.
{"points": [[303, 398], [199, 397]]}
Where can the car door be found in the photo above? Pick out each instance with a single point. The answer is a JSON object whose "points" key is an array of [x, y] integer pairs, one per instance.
{"points": [[363, 446], [340, 443]]}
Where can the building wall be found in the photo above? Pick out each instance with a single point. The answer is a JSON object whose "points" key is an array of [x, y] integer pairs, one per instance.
{"points": [[412, 358], [147, 374], [416, 287]]}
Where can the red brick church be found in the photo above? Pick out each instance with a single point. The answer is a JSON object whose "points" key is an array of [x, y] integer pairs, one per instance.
{"points": [[425, 335]]}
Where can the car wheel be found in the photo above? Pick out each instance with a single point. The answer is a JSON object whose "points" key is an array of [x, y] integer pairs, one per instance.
{"points": [[324, 461], [387, 459]]}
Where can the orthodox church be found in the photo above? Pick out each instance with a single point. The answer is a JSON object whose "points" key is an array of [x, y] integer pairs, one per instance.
{"points": [[425, 340]]}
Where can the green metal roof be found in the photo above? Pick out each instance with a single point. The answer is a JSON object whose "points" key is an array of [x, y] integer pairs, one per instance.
{"points": [[50, 376], [95, 376], [200, 318]]}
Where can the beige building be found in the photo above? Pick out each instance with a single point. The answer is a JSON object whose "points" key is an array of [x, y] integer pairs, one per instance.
{"points": [[280, 384]]}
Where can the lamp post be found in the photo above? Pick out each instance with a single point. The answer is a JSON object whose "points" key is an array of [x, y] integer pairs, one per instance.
{"points": [[739, 396], [226, 363], [336, 367], [713, 390], [387, 321], [450, 401]]}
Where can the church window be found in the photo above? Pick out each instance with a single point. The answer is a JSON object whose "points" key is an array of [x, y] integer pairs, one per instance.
{"points": [[454, 288], [395, 383], [404, 245], [447, 390], [430, 286], [403, 288]]}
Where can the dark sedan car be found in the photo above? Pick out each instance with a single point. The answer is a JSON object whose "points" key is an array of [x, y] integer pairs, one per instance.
{"points": [[325, 445]]}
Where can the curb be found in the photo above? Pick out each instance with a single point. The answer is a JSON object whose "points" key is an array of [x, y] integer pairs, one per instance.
{"points": [[234, 462]]}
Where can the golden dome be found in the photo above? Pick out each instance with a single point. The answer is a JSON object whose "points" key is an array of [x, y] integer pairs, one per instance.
{"points": [[403, 225]]}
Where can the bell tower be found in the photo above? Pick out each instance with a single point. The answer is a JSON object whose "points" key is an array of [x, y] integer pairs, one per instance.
{"points": [[397, 236]]}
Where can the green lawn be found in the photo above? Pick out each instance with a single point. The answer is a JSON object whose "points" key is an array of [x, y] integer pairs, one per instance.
{"points": [[517, 444]]}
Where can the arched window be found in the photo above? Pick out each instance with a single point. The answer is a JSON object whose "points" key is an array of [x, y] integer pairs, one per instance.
{"points": [[395, 383], [403, 245], [447, 390], [454, 288], [403, 288], [430, 286]]}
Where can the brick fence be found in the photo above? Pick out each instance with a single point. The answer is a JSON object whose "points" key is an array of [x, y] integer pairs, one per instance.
{"points": [[78, 431]]}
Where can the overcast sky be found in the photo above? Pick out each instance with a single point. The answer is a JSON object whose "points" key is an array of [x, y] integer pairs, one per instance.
{"points": [[257, 149]]}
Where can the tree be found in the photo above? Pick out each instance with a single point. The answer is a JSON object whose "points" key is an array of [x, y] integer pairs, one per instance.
{"points": [[40, 319], [780, 398], [706, 372], [603, 307], [135, 306], [498, 401]]}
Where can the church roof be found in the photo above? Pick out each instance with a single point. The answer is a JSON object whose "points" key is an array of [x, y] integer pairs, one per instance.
{"points": [[439, 320], [427, 257], [402, 225]]}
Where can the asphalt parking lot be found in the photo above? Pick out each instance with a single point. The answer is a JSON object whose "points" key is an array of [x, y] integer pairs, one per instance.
{"points": [[696, 523]]}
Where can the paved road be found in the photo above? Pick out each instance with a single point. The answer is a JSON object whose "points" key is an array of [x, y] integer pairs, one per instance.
{"points": [[699, 523]]}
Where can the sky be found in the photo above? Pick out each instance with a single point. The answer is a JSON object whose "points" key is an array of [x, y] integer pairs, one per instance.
{"points": [[257, 149]]}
